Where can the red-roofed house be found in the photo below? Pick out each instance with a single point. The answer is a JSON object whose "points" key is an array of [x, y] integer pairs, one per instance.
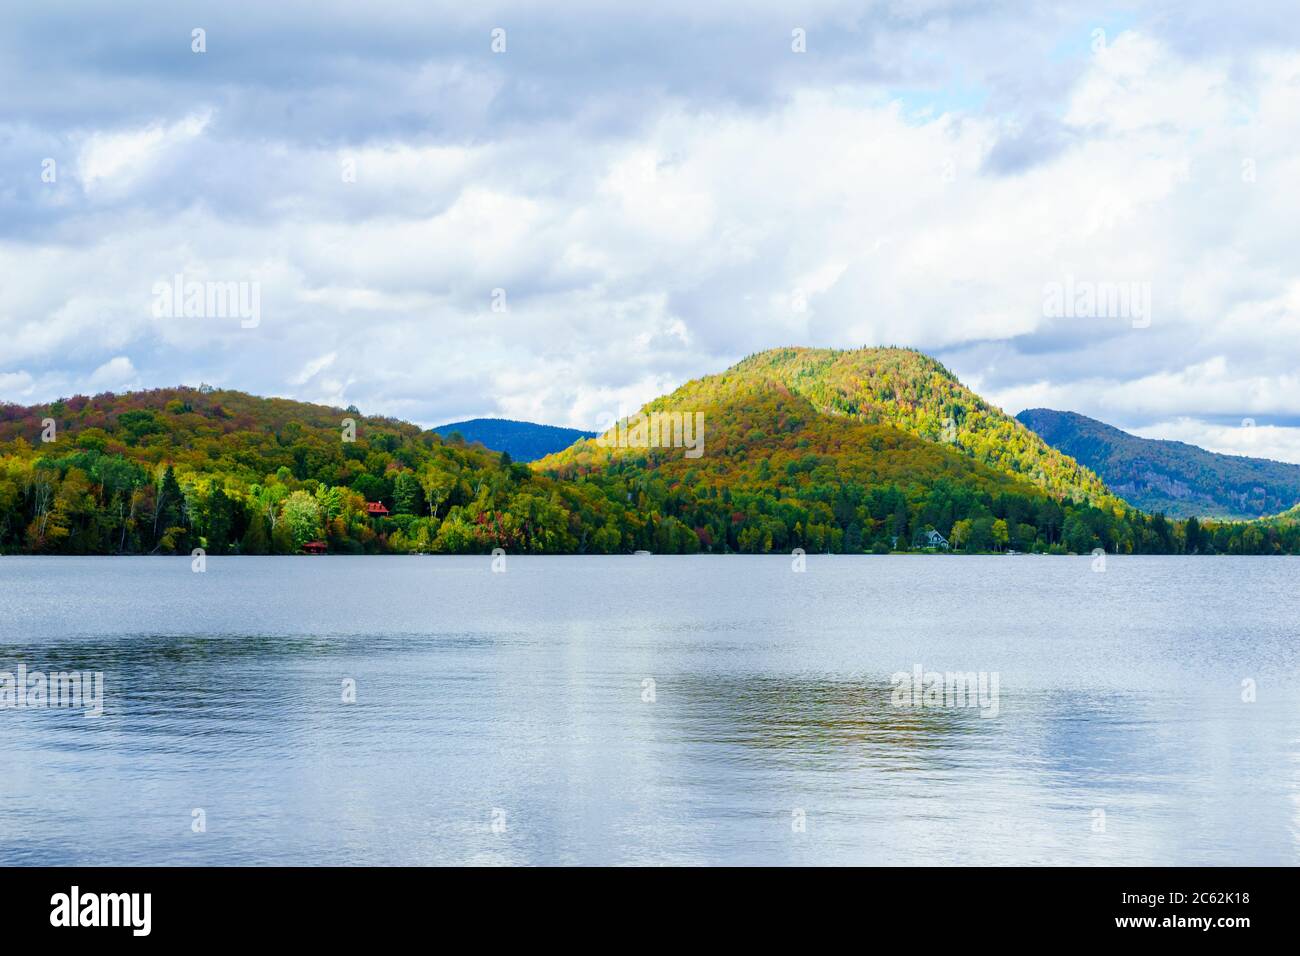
{"points": [[376, 509], [315, 547]]}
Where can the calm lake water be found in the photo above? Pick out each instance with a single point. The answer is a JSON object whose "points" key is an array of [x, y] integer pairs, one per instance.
{"points": [[507, 718]]}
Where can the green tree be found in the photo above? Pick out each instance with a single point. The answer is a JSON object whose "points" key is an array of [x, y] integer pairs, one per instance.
{"points": [[221, 520], [302, 516], [168, 515], [256, 539], [437, 486], [455, 536], [406, 494]]}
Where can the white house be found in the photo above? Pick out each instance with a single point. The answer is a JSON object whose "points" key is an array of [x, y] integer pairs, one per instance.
{"points": [[934, 539]]}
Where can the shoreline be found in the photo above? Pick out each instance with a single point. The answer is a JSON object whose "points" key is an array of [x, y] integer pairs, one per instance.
{"points": [[700, 554]]}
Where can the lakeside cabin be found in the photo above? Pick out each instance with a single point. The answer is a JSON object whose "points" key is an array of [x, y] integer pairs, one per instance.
{"points": [[315, 547], [376, 509], [934, 539]]}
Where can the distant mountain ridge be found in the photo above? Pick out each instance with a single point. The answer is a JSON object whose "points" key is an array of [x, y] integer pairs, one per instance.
{"points": [[1172, 477], [523, 441]]}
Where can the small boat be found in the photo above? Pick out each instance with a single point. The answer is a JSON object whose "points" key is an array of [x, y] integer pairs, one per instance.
{"points": [[641, 552]]}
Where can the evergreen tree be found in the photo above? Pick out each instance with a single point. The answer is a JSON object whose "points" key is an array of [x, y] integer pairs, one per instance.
{"points": [[221, 520], [168, 519], [256, 539], [407, 495]]}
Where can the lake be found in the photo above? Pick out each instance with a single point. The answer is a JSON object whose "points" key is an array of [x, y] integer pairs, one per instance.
{"points": [[648, 710]]}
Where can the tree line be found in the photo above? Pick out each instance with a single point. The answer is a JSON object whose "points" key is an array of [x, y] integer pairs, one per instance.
{"points": [[171, 470]]}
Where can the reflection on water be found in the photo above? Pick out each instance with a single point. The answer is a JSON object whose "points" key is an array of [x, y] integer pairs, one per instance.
{"points": [[769, 735]]}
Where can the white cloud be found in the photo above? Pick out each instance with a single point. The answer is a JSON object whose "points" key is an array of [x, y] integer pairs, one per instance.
{"points": [[113, 161], [15, 385], [643, 238], [314, 368], [115, 375], [1248, 438]]}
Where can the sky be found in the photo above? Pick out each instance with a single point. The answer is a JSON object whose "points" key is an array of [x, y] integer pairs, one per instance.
{"points": [[555, 212]]}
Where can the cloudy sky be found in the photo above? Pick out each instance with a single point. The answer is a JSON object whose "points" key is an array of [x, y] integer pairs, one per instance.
{"points": [[615, 200]]}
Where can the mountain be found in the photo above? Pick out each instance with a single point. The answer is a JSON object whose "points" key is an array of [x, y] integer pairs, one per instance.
{"points": [[167, 470], [1172, 477], [774, 473], [777, 472], [912, 392], [523, 441], [833, 462]]}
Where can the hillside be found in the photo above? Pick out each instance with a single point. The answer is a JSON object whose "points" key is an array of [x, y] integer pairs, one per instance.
{"points": [[777, 473], [1289, 517], [522, 441], [1178, 479], [912, 392], [169, 470]]}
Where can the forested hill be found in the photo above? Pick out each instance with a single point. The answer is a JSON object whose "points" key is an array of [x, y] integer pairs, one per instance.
{"points": [[911, 391], [777, 473], [1170, 476], [1289, 517], [170, 470], [523, 441], [167, 470]]}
